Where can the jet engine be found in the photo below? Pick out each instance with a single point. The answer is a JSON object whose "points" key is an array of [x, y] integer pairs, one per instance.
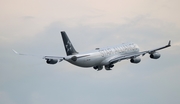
{"points": [[51, 61], [135, 60], [155, 55]]}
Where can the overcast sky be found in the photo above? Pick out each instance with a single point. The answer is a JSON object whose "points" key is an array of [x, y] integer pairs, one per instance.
{"points": [[33, 27]]}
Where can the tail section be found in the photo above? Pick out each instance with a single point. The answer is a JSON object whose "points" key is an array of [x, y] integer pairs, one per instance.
{"points": [[67, 44]]}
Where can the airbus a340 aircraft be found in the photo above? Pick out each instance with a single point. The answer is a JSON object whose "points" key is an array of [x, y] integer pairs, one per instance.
{"points": [[106, 57]]}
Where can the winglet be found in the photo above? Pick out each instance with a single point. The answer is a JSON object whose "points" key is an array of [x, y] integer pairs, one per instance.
{"points": [[17, 52], [169, 44]]}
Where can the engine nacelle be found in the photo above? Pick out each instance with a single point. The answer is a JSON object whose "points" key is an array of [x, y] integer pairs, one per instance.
{"points": [[135, 60], [51, 61], [155, 55]]}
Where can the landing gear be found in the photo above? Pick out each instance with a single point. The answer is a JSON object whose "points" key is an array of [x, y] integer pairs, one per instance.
{"points": [[95, 67], [98, 68], [107, 67]]}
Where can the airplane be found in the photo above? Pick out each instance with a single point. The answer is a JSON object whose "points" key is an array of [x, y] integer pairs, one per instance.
{"points": [[101, 57]]}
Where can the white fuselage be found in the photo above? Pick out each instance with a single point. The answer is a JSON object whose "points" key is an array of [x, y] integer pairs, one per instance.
{"points": [[101, 57]]}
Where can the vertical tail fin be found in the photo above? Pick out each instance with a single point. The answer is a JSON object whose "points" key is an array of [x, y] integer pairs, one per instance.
{"points": [[67, 44]]}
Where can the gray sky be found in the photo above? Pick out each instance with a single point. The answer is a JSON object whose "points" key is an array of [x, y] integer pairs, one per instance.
{"points": [[33, 27]]}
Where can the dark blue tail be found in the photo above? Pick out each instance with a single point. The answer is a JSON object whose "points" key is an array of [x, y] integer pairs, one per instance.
{"points": [[68, 45]]}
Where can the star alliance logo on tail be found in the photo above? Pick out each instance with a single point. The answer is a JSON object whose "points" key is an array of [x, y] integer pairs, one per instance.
{"points": [[69, 46]]}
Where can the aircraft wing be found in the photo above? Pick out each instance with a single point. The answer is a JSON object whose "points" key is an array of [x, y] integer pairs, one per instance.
{"points": [[43, 57], [53, 58], [117, 59], [154, 50]]}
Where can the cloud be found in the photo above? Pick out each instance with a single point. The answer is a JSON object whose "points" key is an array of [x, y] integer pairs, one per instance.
{"points": [[27, 17]]}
